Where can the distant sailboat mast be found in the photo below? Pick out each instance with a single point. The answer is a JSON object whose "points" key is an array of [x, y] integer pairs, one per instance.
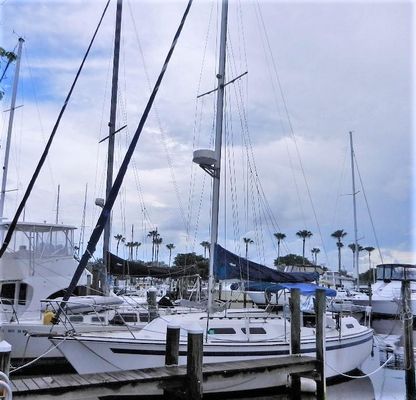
{"points": [[9, 132], [356, 252], [57, 205]]}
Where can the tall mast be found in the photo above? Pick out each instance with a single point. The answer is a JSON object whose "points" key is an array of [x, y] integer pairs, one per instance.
{"points": [[356, 252], [9, 131], [218, 142], [112, 125], [57, 205]]}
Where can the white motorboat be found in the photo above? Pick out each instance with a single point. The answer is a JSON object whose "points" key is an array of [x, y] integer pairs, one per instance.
{"points": [[386, 291]]}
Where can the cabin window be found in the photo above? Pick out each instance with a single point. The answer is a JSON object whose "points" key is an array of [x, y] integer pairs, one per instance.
{"points": [[221, 331], [397, 273], [76, 318], [144, 317], [22, 293], [349, 326], [122, 318], [97, 319], [255, 331], [7, 291], [130, 317]]}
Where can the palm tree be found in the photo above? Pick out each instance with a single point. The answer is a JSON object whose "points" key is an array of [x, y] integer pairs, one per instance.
{"points": [[339, 234], [279, 236], [247, 241], [340, 245], [354, 249], [304, 234], [369, 249], [157, 241], [170, 247], [130, 246], [206, 245], [315, 252], [137, 245], [119, 237], [153, 234]]}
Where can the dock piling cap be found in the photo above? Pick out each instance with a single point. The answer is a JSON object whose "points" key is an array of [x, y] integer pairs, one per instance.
{"points": [[5, 347], [204, 157], [195, 331]]}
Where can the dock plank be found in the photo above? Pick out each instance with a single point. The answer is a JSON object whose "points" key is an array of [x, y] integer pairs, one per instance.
{"points": [[30, 383], [20, 385], [164, 377]]}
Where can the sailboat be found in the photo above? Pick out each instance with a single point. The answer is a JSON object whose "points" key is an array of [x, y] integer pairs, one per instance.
{"points": [[226, 338]]}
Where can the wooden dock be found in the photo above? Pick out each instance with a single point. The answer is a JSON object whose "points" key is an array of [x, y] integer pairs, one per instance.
{"points": [[156, 381]]}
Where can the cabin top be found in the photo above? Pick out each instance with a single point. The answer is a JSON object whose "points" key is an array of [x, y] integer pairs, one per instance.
{"points": [[37, 226], [396, 272]]}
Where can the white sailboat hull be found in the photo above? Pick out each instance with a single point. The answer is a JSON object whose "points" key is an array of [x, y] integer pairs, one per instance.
{"points": [[112, 355], [106, 352]]}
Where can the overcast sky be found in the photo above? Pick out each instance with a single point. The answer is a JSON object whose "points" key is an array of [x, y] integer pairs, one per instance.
{"points": [[316, 70]]}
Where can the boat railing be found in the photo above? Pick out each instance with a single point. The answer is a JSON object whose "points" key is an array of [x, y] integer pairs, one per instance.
{"points": [[92, 314], [8, 310]]}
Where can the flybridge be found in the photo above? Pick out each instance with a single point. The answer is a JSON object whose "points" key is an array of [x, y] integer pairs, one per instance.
{"points": [[39, 227], [34, 239], [396, 272]]}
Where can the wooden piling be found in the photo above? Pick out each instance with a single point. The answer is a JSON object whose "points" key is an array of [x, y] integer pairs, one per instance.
{"points": [[5, 350], [409, 360], [294, 303], [320, 307], [194, 364], [172, 345], [152, 303]]}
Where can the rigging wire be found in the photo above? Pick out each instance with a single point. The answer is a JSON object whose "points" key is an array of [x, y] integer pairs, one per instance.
{"points": [[291, 129], [197, 128], [48, 145], [163, 133], [106, 210], [251, 164], [334, 222], [42, 130], [369, 212]]}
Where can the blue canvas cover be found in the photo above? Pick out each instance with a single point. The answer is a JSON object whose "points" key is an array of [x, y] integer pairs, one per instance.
{"points": [[228, 265], [305, 288]]}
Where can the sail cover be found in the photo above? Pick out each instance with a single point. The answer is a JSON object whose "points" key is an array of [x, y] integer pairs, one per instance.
{"points": [[305, 288], [120, 266], [228, 265]]}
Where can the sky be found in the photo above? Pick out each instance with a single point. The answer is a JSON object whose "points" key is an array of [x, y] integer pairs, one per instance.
{"points": [[316, 71]]}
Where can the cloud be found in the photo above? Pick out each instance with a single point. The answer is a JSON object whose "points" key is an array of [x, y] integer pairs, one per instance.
{"points": [[341, 66]]}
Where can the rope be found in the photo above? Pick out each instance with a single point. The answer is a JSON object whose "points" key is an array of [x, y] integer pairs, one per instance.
{"points": [[53, 347], [361, 376]]}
